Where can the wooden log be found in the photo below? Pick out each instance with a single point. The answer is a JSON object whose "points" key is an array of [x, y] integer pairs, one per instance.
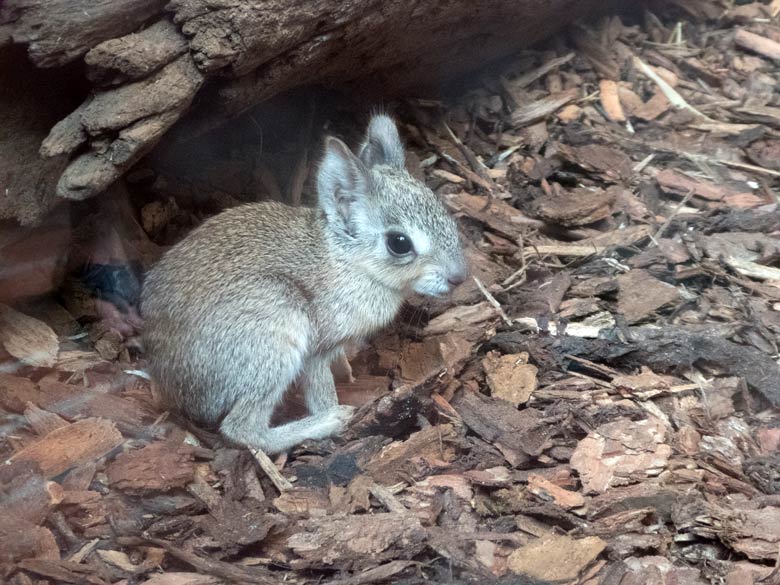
{"points": [[120, 125], [59, 31], [250, 50]]}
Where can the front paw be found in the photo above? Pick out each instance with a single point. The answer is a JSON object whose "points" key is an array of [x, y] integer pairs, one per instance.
{"points": [[338, 417]]}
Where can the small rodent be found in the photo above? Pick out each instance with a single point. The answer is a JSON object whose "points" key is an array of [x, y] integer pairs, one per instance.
{"points": [[264, 294]]}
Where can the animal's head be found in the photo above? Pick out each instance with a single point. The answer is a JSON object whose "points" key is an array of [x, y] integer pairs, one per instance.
{"points": [[394, 227]]}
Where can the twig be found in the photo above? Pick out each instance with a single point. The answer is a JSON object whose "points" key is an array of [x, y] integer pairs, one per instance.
{"points": [[84, 551], [476, 165], [672, 215], [671, 94], [701, 157], [265, 463], [744, 166], [528, 78], [520, 272], [229, 571], [492, 300], [642, 164]]}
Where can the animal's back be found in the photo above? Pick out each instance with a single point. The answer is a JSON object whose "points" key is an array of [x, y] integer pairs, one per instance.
{"points": [[204, 304], [228, 250]]}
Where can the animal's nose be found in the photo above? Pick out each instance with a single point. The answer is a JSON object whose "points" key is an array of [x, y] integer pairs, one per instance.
{"points": [[457, 278]]}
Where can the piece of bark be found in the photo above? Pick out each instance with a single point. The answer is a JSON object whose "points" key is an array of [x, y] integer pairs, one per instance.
{"points": [[434, 445], [42, 421], [27, 339], [610, 100], [528, 114], [518, 434], [231, 572], [653, 108], [654, 569], [71, 402], [757, 44], [357, 542], [380, 574], [59, 31], [461, 318], [136, 55], [26, 494], [435, 353], [765, 153], [673, 181], [395, 413], [235, 525], [303, 502], [493, 477], [573, 207], [159, 466], [554, 558], [71, 446], [640, 294], [21, 539], [499, 216], [547, 490], [609, 163], [621, 452], [510, 377], [120, 125]]}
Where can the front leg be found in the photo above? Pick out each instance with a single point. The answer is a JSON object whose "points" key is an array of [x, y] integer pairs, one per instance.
{"points": [[319, 388]]}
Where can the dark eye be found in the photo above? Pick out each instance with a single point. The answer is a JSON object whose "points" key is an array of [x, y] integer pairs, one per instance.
{"points": [[399, 244]]}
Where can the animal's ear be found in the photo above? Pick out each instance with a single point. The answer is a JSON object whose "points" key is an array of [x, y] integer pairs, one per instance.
{"points": [[342, 187], [383, 144]]}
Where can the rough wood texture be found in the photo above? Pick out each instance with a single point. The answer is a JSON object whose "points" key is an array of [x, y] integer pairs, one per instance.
{"points": [[154, 65], [71, 446], [59, 31]]}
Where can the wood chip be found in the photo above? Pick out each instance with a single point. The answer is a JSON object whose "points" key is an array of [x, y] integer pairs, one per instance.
{"points": [[357, 542], [510, 377], [547, 490], [21, 539], [72, 445], [396, 462], [159, 466], [518, 434], [673, 181], [610, 100], [555, 558], [640, 294], [621, 452], [539, 110], [758, 44], [27, 339]]}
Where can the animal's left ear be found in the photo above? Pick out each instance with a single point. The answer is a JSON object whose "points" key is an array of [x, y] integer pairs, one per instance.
{"points": [[383, 144]]}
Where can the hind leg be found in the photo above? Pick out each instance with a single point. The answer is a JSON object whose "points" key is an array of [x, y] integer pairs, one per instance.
{"points": [[276, 363], [277, 439]]}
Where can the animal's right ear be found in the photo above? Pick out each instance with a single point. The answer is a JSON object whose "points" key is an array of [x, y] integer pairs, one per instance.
{"points": [[342, 186]]}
